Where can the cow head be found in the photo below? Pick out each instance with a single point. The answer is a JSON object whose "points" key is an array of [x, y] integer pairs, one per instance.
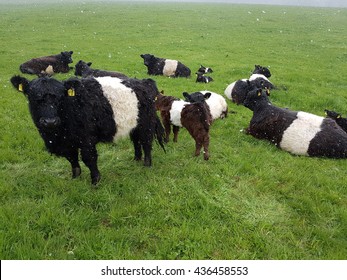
{"points": [[81, 67], [66, 57], [46, 99], [331, 114], [262, 70], [205, 70], [147, 58], [196, 96]]}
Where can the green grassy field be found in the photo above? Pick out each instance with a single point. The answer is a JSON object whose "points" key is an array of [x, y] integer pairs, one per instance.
{"points": [[249, 201]]}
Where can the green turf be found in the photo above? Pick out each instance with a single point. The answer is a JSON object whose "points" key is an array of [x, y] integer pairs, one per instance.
{"points": [[249, 201]]}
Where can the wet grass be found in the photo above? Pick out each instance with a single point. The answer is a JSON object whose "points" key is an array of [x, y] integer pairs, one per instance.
{"points": [[249, 201]]}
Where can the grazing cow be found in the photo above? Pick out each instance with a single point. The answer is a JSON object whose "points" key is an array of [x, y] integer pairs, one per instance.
{"points": [[166, 67], [205, 70], [78, 113], [83, 69], [200, 78], [216, 103], [48, 65], [262, 70], [238, 90], [299, 133], [342, 122], [195, 117]]}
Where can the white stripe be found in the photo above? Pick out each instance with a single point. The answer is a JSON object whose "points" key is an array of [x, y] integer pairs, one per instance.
{"points": [[124, 104], [297, 137], [230, 88], [256, 76], [170, 67], [216, 103], [176, 110]]}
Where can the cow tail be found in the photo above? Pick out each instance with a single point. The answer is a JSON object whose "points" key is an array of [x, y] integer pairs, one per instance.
{"points": [[159, 132]]}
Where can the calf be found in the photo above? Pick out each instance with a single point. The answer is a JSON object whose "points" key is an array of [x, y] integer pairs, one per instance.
{"points": [[78, 113], [299, 133], [195, 117], [237, 91], [342, 122], [200, 78], [49, 65], [205, 70], [166, 67], [262, 70], [83, 69], [216, 103]]}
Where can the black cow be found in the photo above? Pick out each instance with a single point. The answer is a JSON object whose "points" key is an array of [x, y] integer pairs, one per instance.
{"points": [[83, 69], [49, 65], [166, 67], [78, 113], [262, 70]]}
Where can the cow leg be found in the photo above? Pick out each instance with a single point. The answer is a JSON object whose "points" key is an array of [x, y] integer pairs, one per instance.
{"points": [[146, 143], [134, 136], [206, 144], [72, 157], [175, 130], [90, 158]]}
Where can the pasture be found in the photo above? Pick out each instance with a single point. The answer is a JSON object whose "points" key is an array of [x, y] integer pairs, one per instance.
{"points": [[249, 201]]}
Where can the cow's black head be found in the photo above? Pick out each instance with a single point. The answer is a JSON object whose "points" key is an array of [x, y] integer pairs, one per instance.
{"points": [[81, 67], [262, 70], [66, 57], [196, 96], [331, 114], [205, 70], [46, 99], [147, 58]]}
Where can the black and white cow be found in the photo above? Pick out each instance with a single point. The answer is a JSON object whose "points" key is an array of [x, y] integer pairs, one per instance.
{"points": [[83, 69], [216, 103], [204, 70], [78, 113], [166, 67], [299, 133], [201, 78], [342, 122], [49, 65], [262, 70], [238, 90]]}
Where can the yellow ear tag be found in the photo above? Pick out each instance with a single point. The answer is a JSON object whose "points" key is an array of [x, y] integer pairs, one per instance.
{"points": [[20, 87], [259, 93], [338, 116], [71, 92]]}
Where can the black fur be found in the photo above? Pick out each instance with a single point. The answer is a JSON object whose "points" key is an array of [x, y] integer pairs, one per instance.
{"points": [[342, 122], [262, 70], [83, 69], [201, 78]]}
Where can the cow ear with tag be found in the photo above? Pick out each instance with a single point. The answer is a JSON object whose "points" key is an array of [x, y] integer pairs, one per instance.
{"points": [[70, 86], [20, 83]]}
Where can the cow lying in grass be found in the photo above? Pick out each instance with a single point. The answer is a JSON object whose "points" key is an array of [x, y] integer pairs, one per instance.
{"points": [[216, 103], [166, 67], [78, 113], [299, 133], [204, 70], [48, 65], [196, 118], [201, 78], [83, 69], [262, 70], [342, 122]]}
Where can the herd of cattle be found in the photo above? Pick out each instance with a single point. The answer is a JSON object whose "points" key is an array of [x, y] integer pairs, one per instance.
{"points": [[72, 116]]}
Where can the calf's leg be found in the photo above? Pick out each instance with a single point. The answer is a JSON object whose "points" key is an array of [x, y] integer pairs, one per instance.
{"points": [[72, 157]]}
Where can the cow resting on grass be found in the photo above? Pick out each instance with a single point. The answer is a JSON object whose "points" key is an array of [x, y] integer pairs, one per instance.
{"points": [[78, 113], [83, 69], [48, 65], [196, 118], [166, 67], [299, 133]]}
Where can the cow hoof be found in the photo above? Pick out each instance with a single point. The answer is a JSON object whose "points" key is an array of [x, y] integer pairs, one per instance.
{"points": [[96, 179], [76, 172]]}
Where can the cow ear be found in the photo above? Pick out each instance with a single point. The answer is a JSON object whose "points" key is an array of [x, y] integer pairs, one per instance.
{"points": [[338, 116], [207, 95], [259, 92], [70, 86], [89, 63], [186, 95], [20, 83], [71, 52]]}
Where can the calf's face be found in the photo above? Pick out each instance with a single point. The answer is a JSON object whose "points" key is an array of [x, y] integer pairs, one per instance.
{"points": [[196, 96], [66, 57], [45, 96]]}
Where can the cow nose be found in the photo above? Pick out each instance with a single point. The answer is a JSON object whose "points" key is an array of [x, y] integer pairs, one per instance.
{"points": [[50, 122]]}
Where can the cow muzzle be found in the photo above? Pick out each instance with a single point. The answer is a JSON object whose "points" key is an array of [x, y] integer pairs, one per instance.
{"points": [[50, 122]]}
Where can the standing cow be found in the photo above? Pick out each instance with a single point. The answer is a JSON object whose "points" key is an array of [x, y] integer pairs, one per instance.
{"points": [[49, 65], [166, 67], [78, 113]]}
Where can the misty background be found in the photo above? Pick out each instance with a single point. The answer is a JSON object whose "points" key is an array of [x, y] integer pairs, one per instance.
{"points": [[314, 3]]}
